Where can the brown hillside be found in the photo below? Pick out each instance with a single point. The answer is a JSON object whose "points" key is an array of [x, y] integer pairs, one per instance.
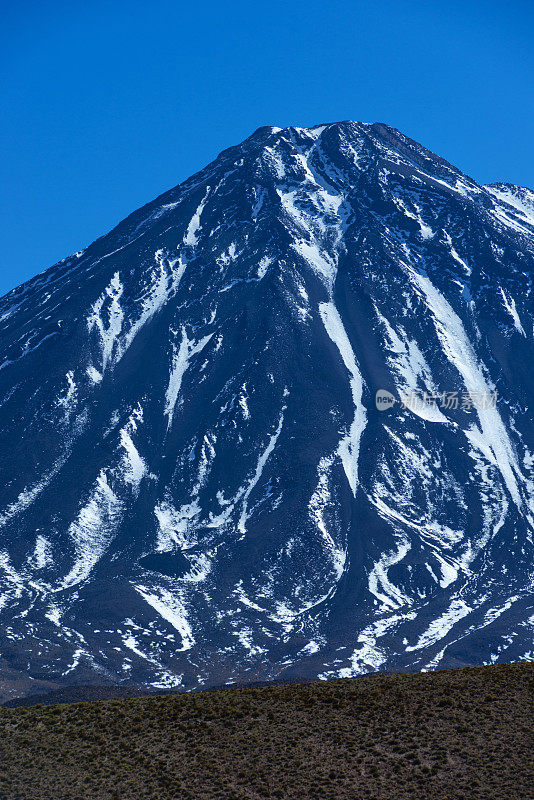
{"points": [[451, 735]]}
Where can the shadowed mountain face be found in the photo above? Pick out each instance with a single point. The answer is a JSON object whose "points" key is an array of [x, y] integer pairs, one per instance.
{"points": [[197, 485]]}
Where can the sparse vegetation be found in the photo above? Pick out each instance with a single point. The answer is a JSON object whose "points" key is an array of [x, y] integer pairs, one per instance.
{"points": [[452, 735]]}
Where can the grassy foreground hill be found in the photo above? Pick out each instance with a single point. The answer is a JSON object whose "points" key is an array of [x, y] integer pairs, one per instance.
{"points": [[451, 735]]}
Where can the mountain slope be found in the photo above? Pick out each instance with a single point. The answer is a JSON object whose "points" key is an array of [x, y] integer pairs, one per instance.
{"points": [[199, 486]]}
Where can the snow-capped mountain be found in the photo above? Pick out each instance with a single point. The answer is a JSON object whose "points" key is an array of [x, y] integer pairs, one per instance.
{"points": [[199, 482]]}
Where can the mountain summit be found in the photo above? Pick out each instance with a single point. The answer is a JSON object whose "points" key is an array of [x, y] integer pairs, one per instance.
{"points": [[276, 424]]}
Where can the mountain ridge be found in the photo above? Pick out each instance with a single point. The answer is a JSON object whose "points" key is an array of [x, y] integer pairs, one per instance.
{"points": [[263, 130]]}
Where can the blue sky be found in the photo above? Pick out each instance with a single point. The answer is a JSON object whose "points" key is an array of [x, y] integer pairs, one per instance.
{"points": [[107, 104]]}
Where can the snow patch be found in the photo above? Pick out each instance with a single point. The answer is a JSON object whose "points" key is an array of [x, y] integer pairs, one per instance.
{"points": [[180, 363], [349, 446]]}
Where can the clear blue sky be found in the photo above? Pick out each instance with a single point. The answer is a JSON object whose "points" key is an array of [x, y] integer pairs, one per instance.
{"points": [[107, 104]]}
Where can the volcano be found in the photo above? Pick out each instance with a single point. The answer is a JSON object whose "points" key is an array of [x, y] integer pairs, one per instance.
{"points": [[276, 425]]}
